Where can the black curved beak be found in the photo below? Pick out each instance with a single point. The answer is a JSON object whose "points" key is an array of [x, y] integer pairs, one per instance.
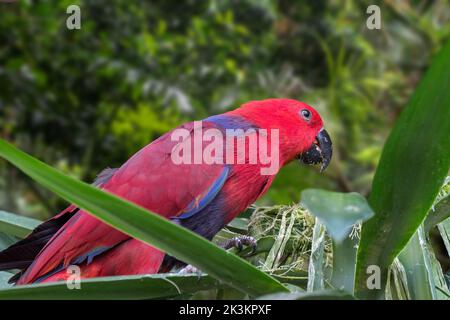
{"points": [[320, 151]]}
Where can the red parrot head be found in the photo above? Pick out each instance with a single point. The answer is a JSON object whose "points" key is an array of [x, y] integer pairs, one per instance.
{"points": [[301, 132]]}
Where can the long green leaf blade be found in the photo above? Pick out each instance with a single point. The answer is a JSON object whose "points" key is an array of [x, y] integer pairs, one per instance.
{"points": [[122, 287], [6, 240], [16, 225], [344, 264], [415, 260], [412, 168], [146, 226], [316, 295]]}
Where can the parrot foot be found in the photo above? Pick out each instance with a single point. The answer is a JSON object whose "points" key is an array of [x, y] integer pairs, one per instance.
{"points": [[190, 269], [240, 242]]}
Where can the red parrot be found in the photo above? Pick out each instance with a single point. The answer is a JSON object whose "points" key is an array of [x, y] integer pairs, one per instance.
{"points": [[203, 197]]}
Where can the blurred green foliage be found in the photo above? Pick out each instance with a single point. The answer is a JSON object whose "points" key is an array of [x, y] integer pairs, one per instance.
{"points": [[82, 100]]}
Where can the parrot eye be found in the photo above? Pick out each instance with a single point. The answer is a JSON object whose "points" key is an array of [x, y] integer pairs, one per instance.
{"points": [[306, 114]]}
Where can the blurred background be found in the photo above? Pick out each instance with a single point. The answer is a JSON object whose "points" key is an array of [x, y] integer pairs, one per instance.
{"points": [[82, 100]]}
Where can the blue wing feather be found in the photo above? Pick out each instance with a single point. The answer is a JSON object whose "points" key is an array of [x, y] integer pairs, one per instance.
{"points": [[196, 206]]}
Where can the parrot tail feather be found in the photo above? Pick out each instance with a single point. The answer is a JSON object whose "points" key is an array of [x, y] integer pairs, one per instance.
{"points": [[21, 254]]}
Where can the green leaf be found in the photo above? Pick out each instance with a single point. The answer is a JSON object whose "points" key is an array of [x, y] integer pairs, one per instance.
{"points": [[439, 213], [148, 227], [120, 287], [441, 210], [16, 225], [444, 229], [4, 278], [295, 277], [316, 274], [415, 260], [424, 278], [397, 282], [337, 211], [6, 240], [239, 225], [442, 288], [316, 295], [412, 168], [344, 264]]}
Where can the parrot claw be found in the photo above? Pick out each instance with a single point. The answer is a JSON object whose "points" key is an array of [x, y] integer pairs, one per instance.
{"points": [[239, 243], [189, 269]]}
